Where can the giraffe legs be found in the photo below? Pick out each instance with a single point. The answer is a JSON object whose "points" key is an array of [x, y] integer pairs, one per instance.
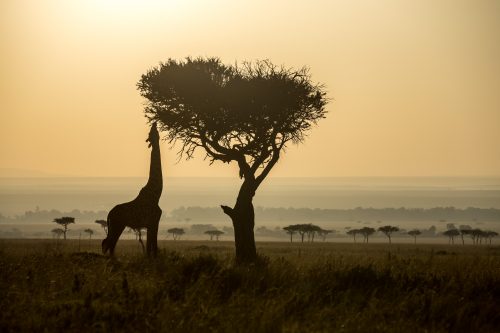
{"points": [[115, 229], [152, 240]]}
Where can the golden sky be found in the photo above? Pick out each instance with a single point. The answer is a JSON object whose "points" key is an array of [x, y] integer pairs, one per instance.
{"points": [[416, 83]]}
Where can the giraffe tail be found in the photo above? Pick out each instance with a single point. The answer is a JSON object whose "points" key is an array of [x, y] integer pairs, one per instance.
{"points": [[105, 242]]}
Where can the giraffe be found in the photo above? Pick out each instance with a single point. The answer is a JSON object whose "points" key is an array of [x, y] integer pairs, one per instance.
{"points": [[143, 211]]}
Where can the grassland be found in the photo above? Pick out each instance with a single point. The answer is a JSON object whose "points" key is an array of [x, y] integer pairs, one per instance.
{"points": [[195, 287]]}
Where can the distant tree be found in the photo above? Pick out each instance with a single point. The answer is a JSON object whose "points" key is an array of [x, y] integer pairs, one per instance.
{"points": [[90, 232], [306, 229], [58, 232], [464, 231], [103, 224], [353, 232], [388, 230], [214, 233], [302, 229], [366, 232], [245, 114], [414, 233], [64, 221], [323, 233], [450, 226], [176, 233], [291, 230], [312, 231], [451, 233], [138, 236], [475, 234], [489, 235]]}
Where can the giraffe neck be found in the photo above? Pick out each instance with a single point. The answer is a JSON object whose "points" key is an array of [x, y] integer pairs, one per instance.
{"points": [[155, 181]]}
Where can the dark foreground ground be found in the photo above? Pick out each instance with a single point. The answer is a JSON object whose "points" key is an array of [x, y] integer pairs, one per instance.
{"points": [[195, 287]]}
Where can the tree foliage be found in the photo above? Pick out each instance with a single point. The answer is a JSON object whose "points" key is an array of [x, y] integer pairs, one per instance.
{"points": [[291, 230], [452, 233], [310, 230], [58, 232], [103, 224], [388, 230], [366, 232], [245, 114], [89, 231], [176, 233], [64, 222], [414, 233], [214, 233], [353, 233]]}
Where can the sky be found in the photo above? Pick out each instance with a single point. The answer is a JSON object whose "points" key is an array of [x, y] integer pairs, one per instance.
{"points": [[414, 85]]}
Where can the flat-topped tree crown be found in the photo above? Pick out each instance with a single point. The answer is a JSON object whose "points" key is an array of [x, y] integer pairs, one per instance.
{"points": [[236, 113], [244, 113]]}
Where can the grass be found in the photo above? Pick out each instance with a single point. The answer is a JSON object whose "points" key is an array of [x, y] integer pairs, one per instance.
{"points": [[195, 287]]}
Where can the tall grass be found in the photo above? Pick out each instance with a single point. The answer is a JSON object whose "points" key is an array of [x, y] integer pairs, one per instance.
{"points": [[197, 288]]}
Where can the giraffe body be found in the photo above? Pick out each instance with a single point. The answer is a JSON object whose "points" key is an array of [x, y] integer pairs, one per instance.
{"points": [[143, 211]]}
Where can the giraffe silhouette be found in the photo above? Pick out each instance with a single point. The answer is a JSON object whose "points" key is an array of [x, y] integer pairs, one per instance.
{"points": [[143, 211]]}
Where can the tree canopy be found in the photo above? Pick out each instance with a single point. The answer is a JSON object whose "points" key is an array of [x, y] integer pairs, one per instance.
{"points": [[176, 232], [214, 233], [245, 114], [64, 221]]}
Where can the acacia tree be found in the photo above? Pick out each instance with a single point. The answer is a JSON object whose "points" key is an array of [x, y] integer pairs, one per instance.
{"points": [[104, 225], [452, 233], [312, 230], [366, 232], [291, 230], [57, 232], [138, 236], [464, 231], [388, 230], [490, 234], [302, 230], [414, 233], [353, 232], [214, 233], [244, 114], [323, 233], [64, 221], [176, 233], [90, 232]]}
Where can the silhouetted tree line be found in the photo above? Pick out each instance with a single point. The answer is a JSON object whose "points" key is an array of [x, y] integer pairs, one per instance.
{"points": [[193, 214], [477, 235], [367, 214], [50, 215], [308, 231]]}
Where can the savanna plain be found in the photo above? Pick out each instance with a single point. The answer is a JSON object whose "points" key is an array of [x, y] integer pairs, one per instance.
{"points": [[195, 286]]}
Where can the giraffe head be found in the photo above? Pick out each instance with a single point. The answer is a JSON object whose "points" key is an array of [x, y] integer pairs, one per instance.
{"points": [[154, 136]]}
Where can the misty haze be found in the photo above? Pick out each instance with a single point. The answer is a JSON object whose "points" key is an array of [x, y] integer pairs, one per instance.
{"points": [[249, 166], [188, 201]]}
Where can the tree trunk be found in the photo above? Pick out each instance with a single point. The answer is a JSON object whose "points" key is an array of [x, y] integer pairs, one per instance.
{"points": [[243, 218]]}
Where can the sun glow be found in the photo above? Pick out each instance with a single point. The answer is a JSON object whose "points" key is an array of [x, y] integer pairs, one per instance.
{"points": [[135, 7]]}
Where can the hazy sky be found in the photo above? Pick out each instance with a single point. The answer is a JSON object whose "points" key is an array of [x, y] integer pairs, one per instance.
{"points": [[416, 83]]}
